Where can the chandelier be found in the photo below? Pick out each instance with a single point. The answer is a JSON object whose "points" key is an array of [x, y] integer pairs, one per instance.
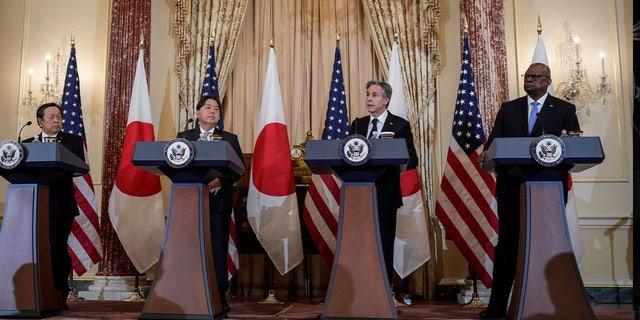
{"points": [[576, 89]]}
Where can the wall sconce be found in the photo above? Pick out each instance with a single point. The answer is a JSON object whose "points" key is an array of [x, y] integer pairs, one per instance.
{"points": [[50, 89], [576, 89]]}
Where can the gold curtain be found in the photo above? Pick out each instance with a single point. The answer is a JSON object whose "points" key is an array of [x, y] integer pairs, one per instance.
{"points": [[198, 24]]}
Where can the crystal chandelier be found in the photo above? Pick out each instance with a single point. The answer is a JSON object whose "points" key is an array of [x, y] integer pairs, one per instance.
{"points": [[576, 89]]}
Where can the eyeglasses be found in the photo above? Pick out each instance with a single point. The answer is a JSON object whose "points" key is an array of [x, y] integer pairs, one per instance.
{"points": [[534, 76]]}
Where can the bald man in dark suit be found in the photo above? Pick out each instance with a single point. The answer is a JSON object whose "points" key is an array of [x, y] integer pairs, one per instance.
{"points": [[389, 195], [535, 114]]}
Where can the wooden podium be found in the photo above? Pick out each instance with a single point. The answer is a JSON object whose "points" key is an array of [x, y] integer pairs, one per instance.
{"points": [[548, 284], [26, 277], [358, 287], [185, 284]]}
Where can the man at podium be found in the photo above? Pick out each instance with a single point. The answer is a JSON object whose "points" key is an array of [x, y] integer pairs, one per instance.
{"points": [[208, 111], [378, 123], [62, 202], [532, 115]]}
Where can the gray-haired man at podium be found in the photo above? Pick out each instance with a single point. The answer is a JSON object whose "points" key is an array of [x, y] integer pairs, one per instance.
{"points": [[532, 115], [62, 202], [389, 195]]}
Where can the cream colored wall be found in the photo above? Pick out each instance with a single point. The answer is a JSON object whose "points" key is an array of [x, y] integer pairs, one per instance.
{"points": [[603, 193], [26, 46]]}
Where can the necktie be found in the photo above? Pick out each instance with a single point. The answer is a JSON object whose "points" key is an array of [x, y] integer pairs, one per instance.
{"points": [[374, 128], [49, 139], [533, 115], [205, 136]]}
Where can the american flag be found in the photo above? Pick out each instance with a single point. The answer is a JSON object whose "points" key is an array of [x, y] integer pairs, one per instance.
{"points": [[210, 83], [466, 205], [210, 88], [84, 242], [322, 203]]}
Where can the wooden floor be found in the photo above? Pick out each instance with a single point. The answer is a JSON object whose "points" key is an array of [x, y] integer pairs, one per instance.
{"points": [[291, 310]]}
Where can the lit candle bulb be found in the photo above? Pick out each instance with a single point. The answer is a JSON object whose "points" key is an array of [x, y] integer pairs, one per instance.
{"points": [[602, 60], [30, 73], [577, 41], [48, 57]]}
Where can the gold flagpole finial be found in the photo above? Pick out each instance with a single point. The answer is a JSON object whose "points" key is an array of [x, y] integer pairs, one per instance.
{"points": [[73, 40], [141, 39], [213, 35], [271, 43], [338, 36], [539, 25], [395, 37], [465, 25]]}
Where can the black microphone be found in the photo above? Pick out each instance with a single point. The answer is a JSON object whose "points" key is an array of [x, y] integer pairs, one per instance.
{"points": [[186, 125], [20, 132], [541, 121], [355, 126]]}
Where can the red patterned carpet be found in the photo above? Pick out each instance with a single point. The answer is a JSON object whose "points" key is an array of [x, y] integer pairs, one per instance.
{"points": [[254, 310]]}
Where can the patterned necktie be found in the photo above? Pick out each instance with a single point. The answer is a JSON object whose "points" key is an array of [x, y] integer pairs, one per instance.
{"points": [[205, 136], [49, 139], [374, 128], [533, 115]]}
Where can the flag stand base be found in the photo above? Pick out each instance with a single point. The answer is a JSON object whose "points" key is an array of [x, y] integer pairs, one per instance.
{"points": [[396, 302], [74, 297], [271, 298], [135, 297], [475, 302]]}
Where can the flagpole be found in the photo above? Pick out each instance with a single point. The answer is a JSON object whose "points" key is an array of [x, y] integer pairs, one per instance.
{"points": [[271, 297], [72, 294], [475, 301], [72, 291], [136, 296]]}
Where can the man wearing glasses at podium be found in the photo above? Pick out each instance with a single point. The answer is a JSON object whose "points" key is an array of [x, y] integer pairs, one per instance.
{"points": [[380, 122], [62, 202], [532, 115], [208, 111]]}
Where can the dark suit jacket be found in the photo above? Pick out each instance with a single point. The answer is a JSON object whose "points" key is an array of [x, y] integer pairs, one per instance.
{"points": [[388, 183], [221, 202], [62, 201], [512, 121]]}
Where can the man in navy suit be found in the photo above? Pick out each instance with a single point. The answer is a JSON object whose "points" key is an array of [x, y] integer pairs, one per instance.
{"points": [[389, 195], [208, 111], [535, 114], [62, 202]]}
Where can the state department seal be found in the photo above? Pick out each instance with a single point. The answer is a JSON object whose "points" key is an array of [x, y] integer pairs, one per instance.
{"points": [[178, 153], [11, 154], [548, 150], [355, 150]]}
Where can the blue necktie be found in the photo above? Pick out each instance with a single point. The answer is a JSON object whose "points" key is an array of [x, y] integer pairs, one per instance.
{"points": [[533, 115], [374, 128]]}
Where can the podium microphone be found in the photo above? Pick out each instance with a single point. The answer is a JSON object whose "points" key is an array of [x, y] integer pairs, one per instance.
{"points": [[20, 132], [541, 122], [355, 126], [186, 125]]}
